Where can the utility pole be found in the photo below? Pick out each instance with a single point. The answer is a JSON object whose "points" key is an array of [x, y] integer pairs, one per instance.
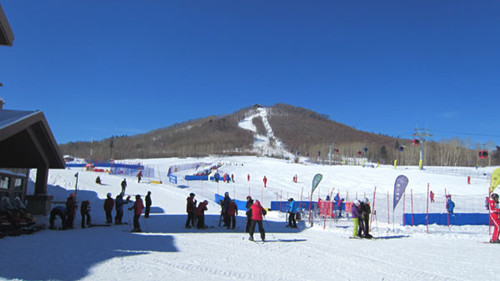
{"points": [[421, 134]]}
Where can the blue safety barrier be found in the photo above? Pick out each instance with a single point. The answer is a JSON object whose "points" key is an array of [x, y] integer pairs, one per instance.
{"points": [[443, 218], [283, 206]]}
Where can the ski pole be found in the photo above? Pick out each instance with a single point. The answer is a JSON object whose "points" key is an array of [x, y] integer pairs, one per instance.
{"points": [[267, 225]]}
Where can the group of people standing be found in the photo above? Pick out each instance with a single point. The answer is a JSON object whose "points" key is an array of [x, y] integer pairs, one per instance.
{"points": [[196, 214], [361, 211]]}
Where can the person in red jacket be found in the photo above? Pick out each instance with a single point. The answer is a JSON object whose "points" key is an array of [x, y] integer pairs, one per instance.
{"points": [[232, 211], [138, 206], [201, 214], [265, 181], [495, 217], [257, 212], [108, 206]]}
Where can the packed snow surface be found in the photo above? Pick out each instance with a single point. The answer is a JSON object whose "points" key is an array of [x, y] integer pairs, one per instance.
{"points": [[167, 251]]}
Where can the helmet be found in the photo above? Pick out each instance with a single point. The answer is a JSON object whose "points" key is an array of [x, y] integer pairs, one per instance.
{"points": [[366, 201], [494, 196], [226, 194], [290, 200], [249, 197], [109, 194], [357, 202], [191, 194]]}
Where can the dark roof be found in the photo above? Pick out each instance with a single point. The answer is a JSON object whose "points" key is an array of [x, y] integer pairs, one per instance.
{"points": [[26, 141], [6, 35]]}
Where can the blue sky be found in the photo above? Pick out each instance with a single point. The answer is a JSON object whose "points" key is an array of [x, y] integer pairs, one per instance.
{"points": [[103, 68]]}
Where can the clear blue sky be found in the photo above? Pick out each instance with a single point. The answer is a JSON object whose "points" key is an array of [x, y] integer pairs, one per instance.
{"points": [[101, 68]]}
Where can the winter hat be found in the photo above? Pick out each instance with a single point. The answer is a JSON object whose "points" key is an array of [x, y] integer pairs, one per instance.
{"points": [[191, 194], [72, 195], [290, 200], [357, 202], [366, 200], [226, 194], [494, 196], [109, 195], [249, 197]]}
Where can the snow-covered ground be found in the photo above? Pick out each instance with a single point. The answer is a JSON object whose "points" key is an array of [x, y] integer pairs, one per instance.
{"points": [[168, 251]]}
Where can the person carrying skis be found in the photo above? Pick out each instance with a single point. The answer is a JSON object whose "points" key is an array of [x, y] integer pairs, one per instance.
{"points": [[355, 217], [191, 210], [124, 186], [232, 211], [70, 210], [249, 213], [495, 217], [148, 205], [108, 205], [138, 206], [292, 211], [119, 207], [85, 212], [200, 212], [257, 216]]}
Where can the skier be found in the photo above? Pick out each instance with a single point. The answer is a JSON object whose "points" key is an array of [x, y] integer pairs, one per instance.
{"points": [[355, 217], [431, 194], [257, 215], [119, 207], [248, 177], [190, 209], [265, 181], [364, 220], [200, 212], [124, 186], [292, 211], [108, 205], [85, 212], [450, 205], [148, 205], [98, 180], [139, 176], [138, 206], [70, 210], [232, 211], [495, 217], [225, 205], [232, 177], [58, 211], [249, 213]]}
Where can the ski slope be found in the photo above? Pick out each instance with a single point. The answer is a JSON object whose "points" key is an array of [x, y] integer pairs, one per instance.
{"points": [[323, 251]]}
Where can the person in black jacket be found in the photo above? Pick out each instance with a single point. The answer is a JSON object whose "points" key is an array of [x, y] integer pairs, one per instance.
{"points": [[190, 210], [364, 220], [85, 212], [249, 213], [148, 205]]}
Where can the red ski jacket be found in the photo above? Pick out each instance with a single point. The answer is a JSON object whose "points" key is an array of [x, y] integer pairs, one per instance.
{"points": [[201, 208], [231, 209], [494, 210], [257, 211], [138, 206]]}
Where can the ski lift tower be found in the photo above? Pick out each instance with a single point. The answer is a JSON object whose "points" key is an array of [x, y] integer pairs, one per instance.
{"points": [[421, 134]]}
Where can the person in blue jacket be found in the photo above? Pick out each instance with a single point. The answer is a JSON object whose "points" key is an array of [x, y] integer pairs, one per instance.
{"points": [[450, 205], [292, 211]]}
